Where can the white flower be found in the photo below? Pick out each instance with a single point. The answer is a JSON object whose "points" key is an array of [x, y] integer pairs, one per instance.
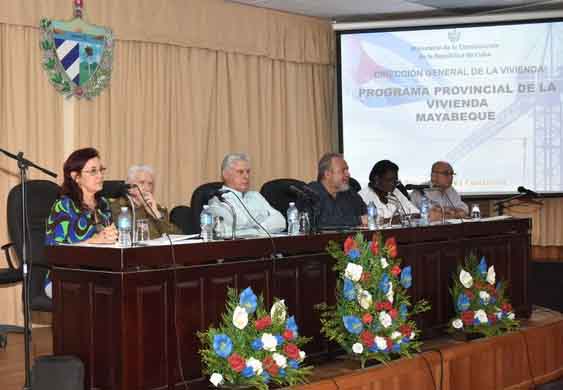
{"points": [[385, 319], [256, 365], [396, 335], [485, 297], [384, 263], [457, 323], [465, 279], [269, 342], [353, 271], [278, 311], [481, 316], [216, 379], [390, 293], [412, 336], [302, 355], [511, 316], [365, 299], [240, 317], [498, 313], [380, 342], [491, 276], [357, 348], [280, 360]]}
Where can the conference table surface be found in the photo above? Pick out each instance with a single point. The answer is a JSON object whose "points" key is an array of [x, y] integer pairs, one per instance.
{"points": [[132, 314]]}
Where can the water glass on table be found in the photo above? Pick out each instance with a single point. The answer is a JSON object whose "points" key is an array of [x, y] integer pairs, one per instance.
{"points": [[142, 230]]}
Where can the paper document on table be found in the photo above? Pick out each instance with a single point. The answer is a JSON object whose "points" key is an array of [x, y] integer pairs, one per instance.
{"points": [[175, 238]]}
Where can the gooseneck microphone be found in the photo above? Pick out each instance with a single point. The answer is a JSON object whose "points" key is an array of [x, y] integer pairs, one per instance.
{"points": [[526, 191], [417, 187]]}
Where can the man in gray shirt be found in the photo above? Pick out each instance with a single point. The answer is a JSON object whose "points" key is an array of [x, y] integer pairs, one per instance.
{"points": [[443, 197]]}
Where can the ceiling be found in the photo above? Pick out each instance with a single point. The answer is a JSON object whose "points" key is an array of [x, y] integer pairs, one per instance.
{"points": [[367, 10]]}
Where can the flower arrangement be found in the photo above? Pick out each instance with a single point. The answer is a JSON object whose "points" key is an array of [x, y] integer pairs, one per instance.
{"points": [[252, 346], [370, 320], [480, 306]]}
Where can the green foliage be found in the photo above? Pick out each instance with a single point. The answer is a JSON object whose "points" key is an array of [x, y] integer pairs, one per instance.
{"points": [[481, 307], [372, 316], [281, 364]]}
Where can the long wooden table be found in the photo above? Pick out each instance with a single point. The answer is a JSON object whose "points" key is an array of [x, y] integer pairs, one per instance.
{"points": [[132, 314]]}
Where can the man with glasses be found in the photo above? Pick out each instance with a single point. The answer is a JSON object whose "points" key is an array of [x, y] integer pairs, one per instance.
{"points": [[443, 198]]}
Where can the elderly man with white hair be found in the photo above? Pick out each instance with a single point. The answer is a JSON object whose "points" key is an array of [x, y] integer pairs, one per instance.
{"points": [[146, 206], [235, 171]]}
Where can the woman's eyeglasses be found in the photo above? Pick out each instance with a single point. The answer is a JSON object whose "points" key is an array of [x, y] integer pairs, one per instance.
{"points": [[96, 171]]}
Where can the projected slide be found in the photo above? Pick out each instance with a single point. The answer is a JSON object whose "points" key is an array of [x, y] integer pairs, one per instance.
{"points": [[485, 98]]}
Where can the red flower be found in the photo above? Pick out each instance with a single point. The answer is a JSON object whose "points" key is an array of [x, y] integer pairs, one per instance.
{"points": [[236, 362], [291, 351], [263, 323], [270, 365], [396, 270], [367, 318], [365, 276], [467, 317], [389, 342], [387, 306], [506, 307], [393, 313], [367, 338], [492, 318], [405, 330], [349, 244], [379, 306], [391, 245], [374, 247], [469, 294], [287, 334]]}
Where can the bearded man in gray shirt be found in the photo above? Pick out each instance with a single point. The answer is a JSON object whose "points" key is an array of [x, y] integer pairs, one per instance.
{"points": [[443, 198]]}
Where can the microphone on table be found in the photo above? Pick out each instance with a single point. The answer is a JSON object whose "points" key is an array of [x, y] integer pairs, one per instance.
{"points": [[526, 191]]}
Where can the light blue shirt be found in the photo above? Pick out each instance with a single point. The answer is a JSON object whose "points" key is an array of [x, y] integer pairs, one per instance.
{"points": [[270, 218]]}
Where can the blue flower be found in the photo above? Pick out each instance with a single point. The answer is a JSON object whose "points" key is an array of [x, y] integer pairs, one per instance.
{"points": [[373, 348], [266, 376], [353, 324], [483, 266], [396, 348], [406, 340], [493, 300], [354, 254], [403, 311], [247, 372], [281, 372], [293, 364], [248, 300], [406, 277], [222, 345], [462, 302], [280, 338], [292, 325], [349, 291], [257, 344], [384, 284]]}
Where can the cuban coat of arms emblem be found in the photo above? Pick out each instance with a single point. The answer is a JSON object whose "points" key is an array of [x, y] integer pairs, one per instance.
{"points": [[77, 56]]}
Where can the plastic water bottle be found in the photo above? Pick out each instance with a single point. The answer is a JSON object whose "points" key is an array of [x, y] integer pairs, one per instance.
{"points": [[206, 224], [124, 227], [292, 220], [372, 216], [424, 211]]}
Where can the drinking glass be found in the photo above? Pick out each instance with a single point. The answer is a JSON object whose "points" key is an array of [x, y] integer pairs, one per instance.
{"points": [[304, 223], [142, 230]]}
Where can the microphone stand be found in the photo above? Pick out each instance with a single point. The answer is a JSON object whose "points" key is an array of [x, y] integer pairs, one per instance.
{"points": [[397, 200], [501, 204], [23, 165]]}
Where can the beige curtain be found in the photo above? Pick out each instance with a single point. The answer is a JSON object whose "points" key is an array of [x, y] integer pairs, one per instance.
{"points": [[30, 121], [193, 80]]}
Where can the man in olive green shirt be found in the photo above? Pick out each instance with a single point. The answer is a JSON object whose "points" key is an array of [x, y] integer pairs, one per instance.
{"points": [[146, 206]]}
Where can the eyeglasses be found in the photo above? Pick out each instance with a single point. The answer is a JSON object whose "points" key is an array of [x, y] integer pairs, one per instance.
{"points": [[96, 171], [445, 173]]}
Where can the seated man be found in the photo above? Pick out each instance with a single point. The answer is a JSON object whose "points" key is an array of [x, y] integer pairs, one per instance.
{"points": [[442, 196], [339, 205], [148, 209], [235, 171], [382, 190]]}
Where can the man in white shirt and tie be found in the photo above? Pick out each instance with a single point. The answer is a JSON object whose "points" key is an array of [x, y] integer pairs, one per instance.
{"points": [[235, 171]]}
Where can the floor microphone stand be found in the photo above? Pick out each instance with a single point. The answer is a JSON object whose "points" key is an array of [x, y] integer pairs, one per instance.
{"points": [[23, 165]]}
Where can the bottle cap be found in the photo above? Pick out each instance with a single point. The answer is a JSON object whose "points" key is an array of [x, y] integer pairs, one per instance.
{"points": [[291, 204], [124, 208]]}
